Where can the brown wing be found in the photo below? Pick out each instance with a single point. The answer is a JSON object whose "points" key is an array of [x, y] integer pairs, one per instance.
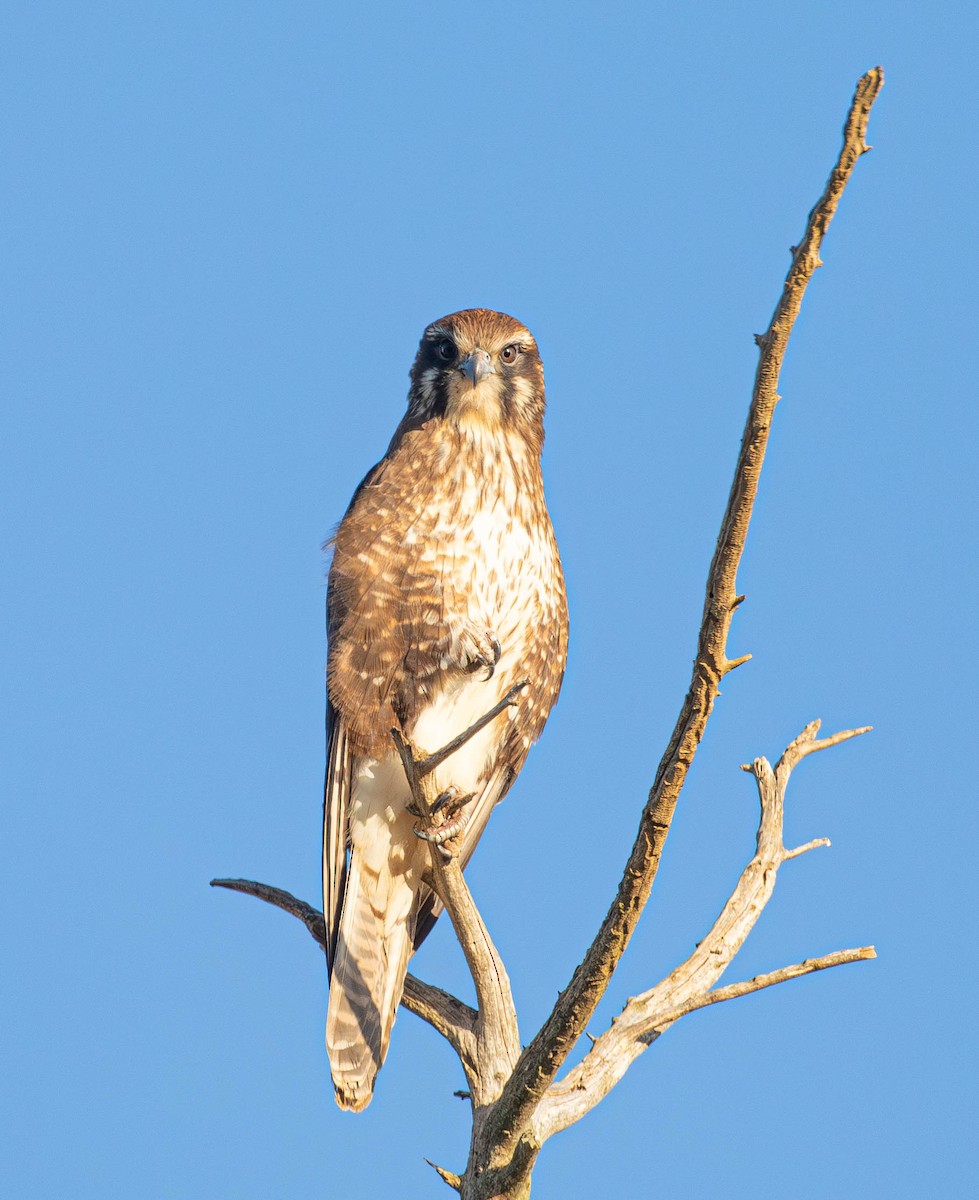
{"points": [[336, 799], [401, 577], [339, 765]]}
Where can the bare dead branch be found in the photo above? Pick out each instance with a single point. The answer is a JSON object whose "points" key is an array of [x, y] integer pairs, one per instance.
{"points": [[807, 743], [423, 766], [454, 1020], [813, 845], [497, 1038], [734, 991], [450, 1017], [454, 1181], [688, 987], [543, 1058], [311, 917]]}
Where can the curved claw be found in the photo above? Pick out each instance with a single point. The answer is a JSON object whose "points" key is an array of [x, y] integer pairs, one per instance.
{"points": [[450, 797], [497, 650], [484, 651], [445, 832]]}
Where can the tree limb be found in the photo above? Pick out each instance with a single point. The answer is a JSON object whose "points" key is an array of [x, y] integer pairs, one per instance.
{"points": [[688, 987], [734, 991], [451, 1018], [542, 1059], [497, 1039]]}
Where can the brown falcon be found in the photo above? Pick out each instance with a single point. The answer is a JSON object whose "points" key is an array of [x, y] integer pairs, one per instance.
{"points": [[445, 591]]}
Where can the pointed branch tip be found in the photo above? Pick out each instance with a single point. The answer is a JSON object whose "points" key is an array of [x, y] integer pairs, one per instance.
{"points": [[834, 739], [450, 1177], [813, 845]]}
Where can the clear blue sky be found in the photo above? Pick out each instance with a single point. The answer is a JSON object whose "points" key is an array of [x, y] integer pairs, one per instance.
{"points": [[225, 226]]}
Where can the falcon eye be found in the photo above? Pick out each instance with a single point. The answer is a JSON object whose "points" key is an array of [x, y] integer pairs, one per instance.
{"points": [[446, 349], [509, 353]]}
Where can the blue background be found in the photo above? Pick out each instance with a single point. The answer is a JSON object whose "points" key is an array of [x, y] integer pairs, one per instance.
{"points": [[225, 226]]}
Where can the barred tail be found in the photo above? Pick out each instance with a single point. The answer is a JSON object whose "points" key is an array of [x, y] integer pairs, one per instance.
{"points": [[368, 977]]}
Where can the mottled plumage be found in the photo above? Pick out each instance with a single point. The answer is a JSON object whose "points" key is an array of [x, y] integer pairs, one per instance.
{"points": [[445, 590]]}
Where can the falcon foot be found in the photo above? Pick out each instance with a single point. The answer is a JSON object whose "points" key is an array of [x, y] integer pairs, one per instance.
{"points": [[480, 649], [450, 803], [417, 768], [444, 833]]}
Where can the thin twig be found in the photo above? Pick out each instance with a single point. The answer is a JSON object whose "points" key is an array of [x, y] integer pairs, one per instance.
{"points": [[454, 1020], [450, 1177], [424, 765], [815, 844], [734, 991], [311, 917], [807, 743]]}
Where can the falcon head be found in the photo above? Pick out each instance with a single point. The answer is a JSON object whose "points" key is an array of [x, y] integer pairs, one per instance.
{"points": [[481, 369]]}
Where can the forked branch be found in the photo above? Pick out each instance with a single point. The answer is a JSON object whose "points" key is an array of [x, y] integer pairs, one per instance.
{"points": [[688, 987]]}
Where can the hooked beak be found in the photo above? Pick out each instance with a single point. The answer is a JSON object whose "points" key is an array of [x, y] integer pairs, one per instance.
{"points": [[477, 366]]}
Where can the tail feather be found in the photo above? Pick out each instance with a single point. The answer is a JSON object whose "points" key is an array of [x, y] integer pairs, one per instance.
{"points": [[375, 941]]}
